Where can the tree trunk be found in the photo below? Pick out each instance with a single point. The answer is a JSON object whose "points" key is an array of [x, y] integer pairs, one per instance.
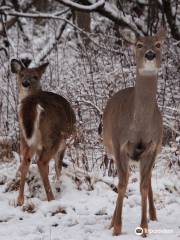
{"points": [[41, 6], [171, 19], [83, 21]]}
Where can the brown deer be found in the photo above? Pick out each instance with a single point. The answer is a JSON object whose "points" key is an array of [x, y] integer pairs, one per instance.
{"points": [[132, 127], [46, 121]]}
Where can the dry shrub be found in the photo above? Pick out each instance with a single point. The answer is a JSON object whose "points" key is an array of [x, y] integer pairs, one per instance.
{"points": [[6, 149], [29, 207], [59, 210]]}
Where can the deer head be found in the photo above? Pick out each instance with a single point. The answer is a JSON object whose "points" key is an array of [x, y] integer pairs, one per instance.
{"points": [[28, 78], [148, 52]]}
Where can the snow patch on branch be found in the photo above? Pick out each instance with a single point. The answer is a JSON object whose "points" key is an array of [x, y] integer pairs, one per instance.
{"points": [[82, 7]]}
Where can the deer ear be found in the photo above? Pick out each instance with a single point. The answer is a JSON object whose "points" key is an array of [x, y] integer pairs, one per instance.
{"points": [[16, 66], [129, 36], [42, 67], [161, 35]]}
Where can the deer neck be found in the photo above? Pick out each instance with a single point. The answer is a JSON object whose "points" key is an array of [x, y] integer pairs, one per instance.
{"points": [[23, 93], [145, 96]]}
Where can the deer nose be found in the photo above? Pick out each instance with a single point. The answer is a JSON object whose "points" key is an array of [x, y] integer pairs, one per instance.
{"points": [[26, 83], [150, 55]]}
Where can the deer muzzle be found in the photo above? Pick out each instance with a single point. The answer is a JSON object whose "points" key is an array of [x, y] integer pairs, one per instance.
{"points": [[150, 55], [26, 83]]}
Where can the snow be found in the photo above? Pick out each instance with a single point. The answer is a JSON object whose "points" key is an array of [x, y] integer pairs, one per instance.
{"points": [[92, 7], [88, 213], [87, 78]]}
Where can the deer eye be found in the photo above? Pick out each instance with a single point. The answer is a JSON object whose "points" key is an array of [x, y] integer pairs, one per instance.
{"points": [[139, 45], [21, 75], [158, 45]]}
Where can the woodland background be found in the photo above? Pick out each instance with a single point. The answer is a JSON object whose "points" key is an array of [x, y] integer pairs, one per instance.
{"points": [[89, 60]]}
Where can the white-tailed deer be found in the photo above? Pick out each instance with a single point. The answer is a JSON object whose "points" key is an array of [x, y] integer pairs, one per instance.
{"points": [[132, 127], [46, 121]]}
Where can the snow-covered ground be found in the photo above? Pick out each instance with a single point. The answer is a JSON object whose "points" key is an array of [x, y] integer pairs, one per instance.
{"points": [[88, 213], [86, 77]]}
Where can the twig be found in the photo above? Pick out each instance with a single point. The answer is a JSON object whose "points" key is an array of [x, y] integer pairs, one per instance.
{"points": [[93, 105], [80, 174], [53, 43], [87, 8], [53, 16], [169, 125]]}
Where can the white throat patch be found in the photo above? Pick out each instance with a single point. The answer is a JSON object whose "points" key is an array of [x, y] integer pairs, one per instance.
{"points": [[149, 68], [24, 92]]}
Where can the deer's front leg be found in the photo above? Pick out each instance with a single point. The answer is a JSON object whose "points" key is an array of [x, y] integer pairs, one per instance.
{"points": [[146, 166], [23, 169], [123, 174]]}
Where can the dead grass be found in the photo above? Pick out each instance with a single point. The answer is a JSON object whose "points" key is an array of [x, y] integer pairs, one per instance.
{"points": [[59, 210], [29, 207]]}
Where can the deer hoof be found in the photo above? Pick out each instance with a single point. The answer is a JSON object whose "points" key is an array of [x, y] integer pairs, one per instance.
{"points": [[144, 235], [20, 201], [144, 231], [117, 230], [153, 217], [51, 198]]}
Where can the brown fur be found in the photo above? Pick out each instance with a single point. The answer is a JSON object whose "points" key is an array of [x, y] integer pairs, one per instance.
{"points": [[46, 121], [132, 128], [57, 118]]}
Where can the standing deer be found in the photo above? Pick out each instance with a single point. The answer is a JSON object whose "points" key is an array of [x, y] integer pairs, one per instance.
{"points": [[46, 121], [132, 127]]}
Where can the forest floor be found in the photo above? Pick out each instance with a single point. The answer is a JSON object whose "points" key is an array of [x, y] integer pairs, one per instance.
{"points": [[86, 215]]}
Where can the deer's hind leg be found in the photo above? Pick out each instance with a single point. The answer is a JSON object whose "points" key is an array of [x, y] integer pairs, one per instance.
{"points": [[122, 163], [59, 159], [43, 165], [58, 164]]}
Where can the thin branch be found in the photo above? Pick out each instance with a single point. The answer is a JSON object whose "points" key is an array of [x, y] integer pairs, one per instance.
{"points": [[55, 17], [62, 12], [168, 124], [5, 51], [107, 10], [81, 7], [114, 14], [93, 105], [8, 24], [4, 8], [171, 19], [53, 43]]}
